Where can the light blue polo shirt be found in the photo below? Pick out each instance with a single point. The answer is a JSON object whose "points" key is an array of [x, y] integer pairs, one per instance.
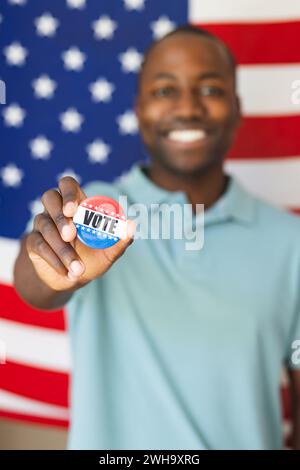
{"points": [[177, 349]]}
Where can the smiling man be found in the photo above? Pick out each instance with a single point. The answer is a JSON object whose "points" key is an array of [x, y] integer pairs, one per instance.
{"points": [[175, 349]]}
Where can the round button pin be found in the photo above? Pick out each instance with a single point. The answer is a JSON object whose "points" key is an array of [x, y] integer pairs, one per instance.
{"points": [[100, 222]]}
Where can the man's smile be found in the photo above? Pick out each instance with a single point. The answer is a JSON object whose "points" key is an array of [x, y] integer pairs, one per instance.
{"points": [[186, 138]]}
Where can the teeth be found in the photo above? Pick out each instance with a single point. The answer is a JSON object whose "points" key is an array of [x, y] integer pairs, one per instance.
{"points": [[189, 135]]}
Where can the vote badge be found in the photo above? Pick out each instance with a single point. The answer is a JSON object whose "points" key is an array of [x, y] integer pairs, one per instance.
{"points": [[100, 222]]}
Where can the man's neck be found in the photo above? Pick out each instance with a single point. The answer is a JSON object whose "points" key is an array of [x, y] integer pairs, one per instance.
{"points": [[204, 188]]}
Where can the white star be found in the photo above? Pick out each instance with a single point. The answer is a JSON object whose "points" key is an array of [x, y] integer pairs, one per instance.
{"points": [[134, 4], [131, 60], [40, 147], [104, 27], [98, 151], [17, 2], [46, 25], [161, 27], [44, 87], [73, 59], [13, 115], [71, 120], [11, 175], [36, 206], [101, 90], [127, 123], [76, 4], [69, 172], [15, 54]]}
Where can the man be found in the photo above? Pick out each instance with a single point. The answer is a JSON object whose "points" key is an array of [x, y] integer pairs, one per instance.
{"points": [[172, 348]]}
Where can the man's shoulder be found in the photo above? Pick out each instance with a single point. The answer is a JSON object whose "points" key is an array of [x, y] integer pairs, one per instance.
{"points": [[277, 219], [101, 188]]}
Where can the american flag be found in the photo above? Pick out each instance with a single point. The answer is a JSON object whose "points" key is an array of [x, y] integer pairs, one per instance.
{"points": [[70, 69]]}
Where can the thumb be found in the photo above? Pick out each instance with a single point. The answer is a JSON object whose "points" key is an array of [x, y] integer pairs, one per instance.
{"points": [[117, 250]]}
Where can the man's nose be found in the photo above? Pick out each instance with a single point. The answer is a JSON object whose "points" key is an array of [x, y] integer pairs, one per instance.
{"points": [[189, 104]]}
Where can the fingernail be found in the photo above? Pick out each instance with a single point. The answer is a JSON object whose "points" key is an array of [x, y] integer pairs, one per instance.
{"points": [[70, 208], [66, 231], [72, 277], [76, 268]]}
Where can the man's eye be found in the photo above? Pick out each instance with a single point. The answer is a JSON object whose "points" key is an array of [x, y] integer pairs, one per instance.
{"points": [[209, 90], [164, 92]]}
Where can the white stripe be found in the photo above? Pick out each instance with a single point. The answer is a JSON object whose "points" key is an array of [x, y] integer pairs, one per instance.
{"points": [[275, 181], [235, 11], [269, 90], [287, 428], [8, 252], [36, 346], [17, 404]]}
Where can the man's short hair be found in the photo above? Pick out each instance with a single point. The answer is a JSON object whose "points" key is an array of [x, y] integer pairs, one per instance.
{"points": [[189, 29]]}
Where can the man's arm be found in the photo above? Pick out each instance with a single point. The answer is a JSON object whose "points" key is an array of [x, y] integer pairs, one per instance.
{"points": [[52, 262], [294, 376]]}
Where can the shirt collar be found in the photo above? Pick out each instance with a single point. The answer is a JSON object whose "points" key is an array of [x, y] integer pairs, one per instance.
{"points": [[235, 203]]}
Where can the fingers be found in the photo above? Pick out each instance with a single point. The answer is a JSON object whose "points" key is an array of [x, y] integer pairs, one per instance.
{"points": [[53, 203], [117, 250], [61, 206], [37, 246], [49, 245], [72, 195]]}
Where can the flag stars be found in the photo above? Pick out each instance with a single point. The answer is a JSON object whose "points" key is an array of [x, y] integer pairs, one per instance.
{"points": [[15, 54], [44, 87], [36, 207], [98, 151], [17, 2], [104, 27], [101, 90], [46, 25], [73, 59], [127, 123], [40, 147], [131, 60], [13, 115], [161, 27], [71, 120], [11, 175], [134, 4], [78, 4]]}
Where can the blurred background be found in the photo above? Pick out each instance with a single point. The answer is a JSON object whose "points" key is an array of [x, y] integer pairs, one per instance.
{"points": [[70, 70]]}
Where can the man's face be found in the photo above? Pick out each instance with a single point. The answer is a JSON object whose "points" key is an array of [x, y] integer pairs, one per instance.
{"points": [[187, 107]]}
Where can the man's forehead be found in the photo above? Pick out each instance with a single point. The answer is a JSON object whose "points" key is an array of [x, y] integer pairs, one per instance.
{"points": [[171, 50]]}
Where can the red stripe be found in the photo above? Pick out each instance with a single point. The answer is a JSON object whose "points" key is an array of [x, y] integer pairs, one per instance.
{"points": [[34, 419], [267, 137], [13, 308], [260, 43], [286, 402], [295, 211], [37, 384]]}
